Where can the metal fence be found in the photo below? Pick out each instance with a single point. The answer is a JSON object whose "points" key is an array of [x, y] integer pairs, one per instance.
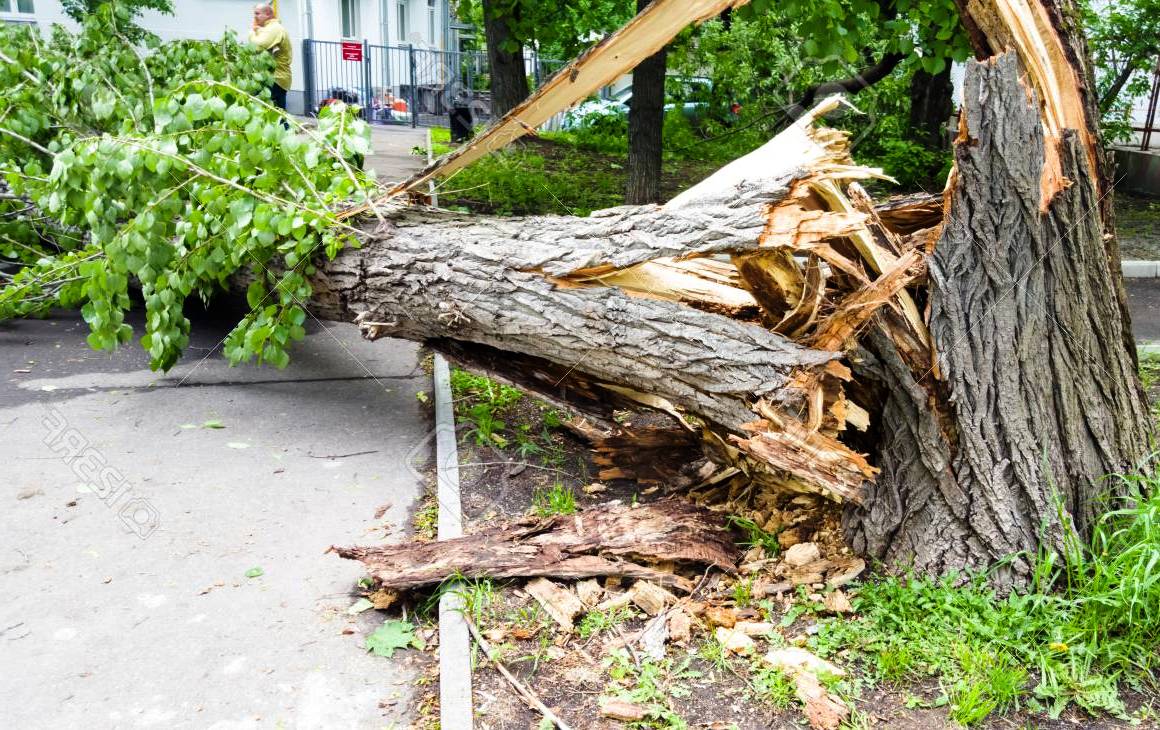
{"points": [[404, 84]]}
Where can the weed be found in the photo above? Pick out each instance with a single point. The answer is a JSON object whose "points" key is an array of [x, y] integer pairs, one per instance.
{"points": [[595, 622], [556, 500], [714, 652], [426, 519], [485, 427], [755, 536], [651, 684], [772, 685], [743, 592]]}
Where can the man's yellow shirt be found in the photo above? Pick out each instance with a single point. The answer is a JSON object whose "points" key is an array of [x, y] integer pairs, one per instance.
{"points": [[274, 38]]}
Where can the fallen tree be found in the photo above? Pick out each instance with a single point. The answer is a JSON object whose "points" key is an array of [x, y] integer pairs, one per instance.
{"points": [[961, 376], [989, 361]]}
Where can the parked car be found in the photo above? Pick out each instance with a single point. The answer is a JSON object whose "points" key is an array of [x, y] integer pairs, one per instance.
{"points": [[691, 94]]}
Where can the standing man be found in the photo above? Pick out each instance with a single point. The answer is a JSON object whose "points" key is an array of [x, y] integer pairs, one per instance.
{"points": [[269, 35]]}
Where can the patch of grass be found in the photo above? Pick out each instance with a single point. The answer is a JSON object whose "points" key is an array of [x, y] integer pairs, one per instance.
{"points": [[1091, 621], [426, 519], [772, 685], [595, 622], [555, 500]]}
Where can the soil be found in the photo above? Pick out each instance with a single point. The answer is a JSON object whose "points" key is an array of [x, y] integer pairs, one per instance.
{"points": [[571, 673], [1138, 226]]}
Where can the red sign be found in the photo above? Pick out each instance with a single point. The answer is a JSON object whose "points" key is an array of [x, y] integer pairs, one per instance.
{"points": [[352, 51]]}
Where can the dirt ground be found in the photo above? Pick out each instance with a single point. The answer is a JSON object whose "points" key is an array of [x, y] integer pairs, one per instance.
{"points": [[573, 673]]}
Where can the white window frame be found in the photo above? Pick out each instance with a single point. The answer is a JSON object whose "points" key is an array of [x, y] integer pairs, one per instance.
{"points": [[349, 18], [401, 21], [12, 7]]}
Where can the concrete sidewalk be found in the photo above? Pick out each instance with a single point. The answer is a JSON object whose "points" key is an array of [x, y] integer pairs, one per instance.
{"points": [[128, 527]]}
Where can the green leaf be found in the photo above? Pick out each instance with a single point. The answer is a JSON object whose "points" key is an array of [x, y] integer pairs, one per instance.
{"points": [[254, 572], [392, 635], [213, 424], [362, 604]]}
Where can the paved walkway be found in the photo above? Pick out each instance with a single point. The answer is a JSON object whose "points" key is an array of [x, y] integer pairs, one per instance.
{"points": [[392, 158], [128, 525]]}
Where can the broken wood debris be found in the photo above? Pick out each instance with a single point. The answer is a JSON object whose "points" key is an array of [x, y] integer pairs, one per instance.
{"points": [[612, 539]]}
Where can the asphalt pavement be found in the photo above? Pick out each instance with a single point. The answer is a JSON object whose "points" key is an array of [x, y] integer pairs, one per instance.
{"points": [[163, 537]]}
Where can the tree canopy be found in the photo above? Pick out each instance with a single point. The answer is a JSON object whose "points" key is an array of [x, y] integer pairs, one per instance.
{"points": [[164, 164]]}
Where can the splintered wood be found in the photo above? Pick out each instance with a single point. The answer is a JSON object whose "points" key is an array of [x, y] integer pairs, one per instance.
{"points": [[822, 266], [611, 540]]}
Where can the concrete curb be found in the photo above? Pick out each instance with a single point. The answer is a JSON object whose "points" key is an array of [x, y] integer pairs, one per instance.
{"points": [[1140, 269], [454, 641]]}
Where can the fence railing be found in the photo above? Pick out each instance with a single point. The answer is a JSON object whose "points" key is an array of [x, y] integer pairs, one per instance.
{"points": [[404, 84]]}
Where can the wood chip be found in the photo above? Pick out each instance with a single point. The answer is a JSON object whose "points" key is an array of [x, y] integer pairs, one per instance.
{"points": [[621, 710], [837, 602], [846, 572], [792, 536], [560, 603], [755, 628], [763, 588], [735, 641], [617, 600], [589, 592], [721, 616], [823, 710], [680, 627], [651, 598], [801, 554], [793, 657], [653, 638]]}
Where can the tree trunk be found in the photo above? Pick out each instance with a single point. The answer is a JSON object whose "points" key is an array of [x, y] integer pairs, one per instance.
{"points": [[1034, 390], [646, 122], [505, 55], [985, 365], [931, 104]]}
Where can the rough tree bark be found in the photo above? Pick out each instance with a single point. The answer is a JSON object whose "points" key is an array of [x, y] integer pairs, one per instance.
{"points": [[646, 120], [509, 79], [985, 364], [1032, 397]]}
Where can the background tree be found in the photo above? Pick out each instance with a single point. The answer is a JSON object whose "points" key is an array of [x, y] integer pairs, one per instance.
{"points": [[505, 55], [1125, 43], [646, 121], [558, 30]]}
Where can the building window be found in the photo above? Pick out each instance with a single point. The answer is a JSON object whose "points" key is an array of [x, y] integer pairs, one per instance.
{"points": [[22, 6], [431, 10], [401, 21], [350, 18]]}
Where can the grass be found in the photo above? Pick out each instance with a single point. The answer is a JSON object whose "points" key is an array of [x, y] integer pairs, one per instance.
{"points": [[596, 622], [1090, 624], [487, 408], [555, 500], [756, 536]]}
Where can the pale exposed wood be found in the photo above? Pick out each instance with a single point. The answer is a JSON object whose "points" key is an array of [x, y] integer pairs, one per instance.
{"points": [[560, 603]]}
